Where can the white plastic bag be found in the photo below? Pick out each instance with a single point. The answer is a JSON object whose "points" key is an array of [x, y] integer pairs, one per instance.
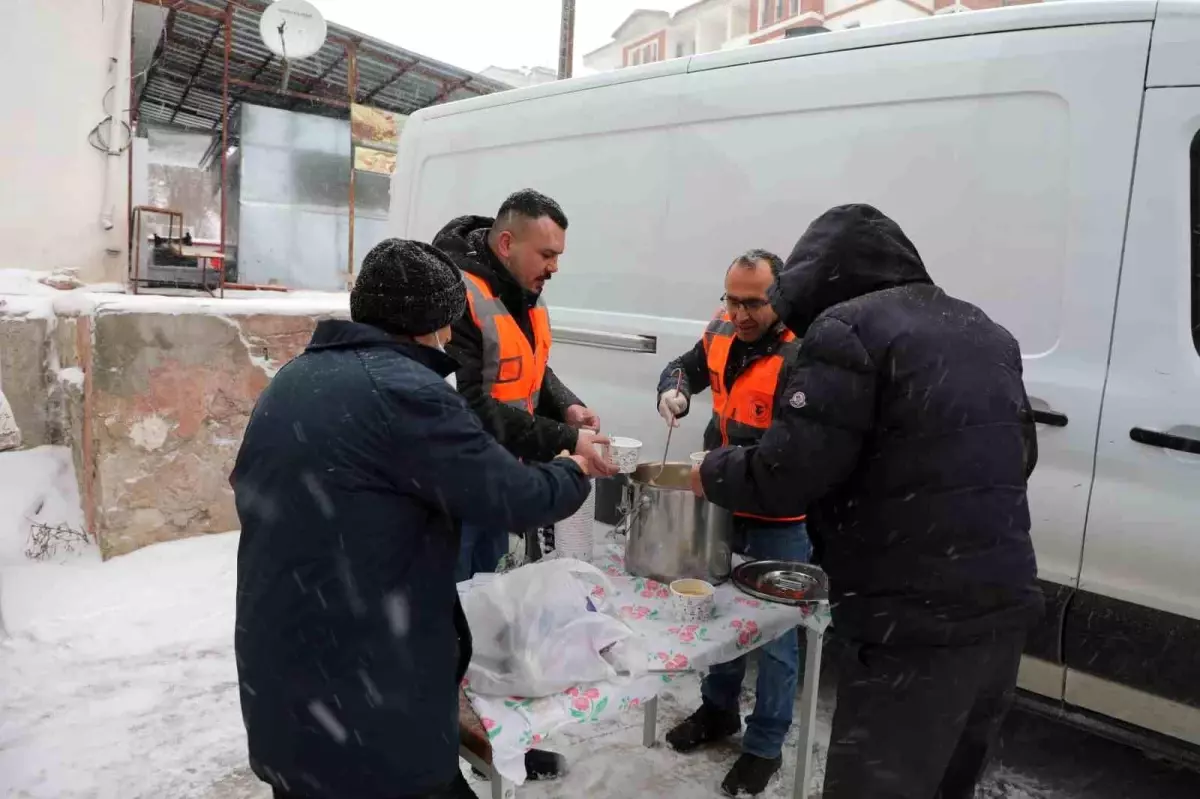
{"points": [[10, 434], [536, 633]]}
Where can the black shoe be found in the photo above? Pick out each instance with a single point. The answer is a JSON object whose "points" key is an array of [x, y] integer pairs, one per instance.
{"points": [[750, 775], [539, 766], [707, 725]]}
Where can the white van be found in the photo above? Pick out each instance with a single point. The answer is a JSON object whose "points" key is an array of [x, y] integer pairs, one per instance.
{"points": [[1044, 160]]}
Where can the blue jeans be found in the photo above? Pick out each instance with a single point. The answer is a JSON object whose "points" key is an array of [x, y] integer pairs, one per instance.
{"points": [[779, 662], [479, 550]]}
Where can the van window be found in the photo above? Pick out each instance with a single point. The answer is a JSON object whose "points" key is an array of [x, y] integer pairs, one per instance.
{"points": [[1195, 219]]}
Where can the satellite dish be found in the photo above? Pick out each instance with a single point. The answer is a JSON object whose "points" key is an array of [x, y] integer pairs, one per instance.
{"points": [[292, 29]]}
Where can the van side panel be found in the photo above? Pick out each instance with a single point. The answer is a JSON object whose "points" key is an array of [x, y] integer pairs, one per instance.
{"points": [[1173, 60], [1137, 617], [619, 304], [1006, 157]]}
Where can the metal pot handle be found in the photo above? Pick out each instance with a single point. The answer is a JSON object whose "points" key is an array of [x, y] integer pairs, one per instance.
{"points": [[631, 512]]}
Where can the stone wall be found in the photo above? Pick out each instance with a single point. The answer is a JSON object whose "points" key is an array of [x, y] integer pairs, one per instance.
{"points": [[24, 364], [170, 396], [153, 404]]}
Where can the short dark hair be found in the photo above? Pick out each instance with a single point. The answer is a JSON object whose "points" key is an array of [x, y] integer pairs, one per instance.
{"points": [[530, 204], [750, 259]]}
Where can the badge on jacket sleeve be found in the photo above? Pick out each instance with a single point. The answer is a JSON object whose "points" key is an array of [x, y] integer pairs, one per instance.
{"points": [[798, 400]]}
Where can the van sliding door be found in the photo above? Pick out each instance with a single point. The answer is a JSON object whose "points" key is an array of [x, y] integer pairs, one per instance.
{"points": [[1133, 630]]}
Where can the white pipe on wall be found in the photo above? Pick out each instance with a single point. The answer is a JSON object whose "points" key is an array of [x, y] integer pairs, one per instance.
{"points": [[118, 102]]}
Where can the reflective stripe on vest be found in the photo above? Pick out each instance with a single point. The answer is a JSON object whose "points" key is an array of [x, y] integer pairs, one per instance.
{"points": [[745, 409], [512, 369]]}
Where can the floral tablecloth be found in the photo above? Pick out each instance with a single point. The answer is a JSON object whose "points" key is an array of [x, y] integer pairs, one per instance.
{"points": [[740, 625]]}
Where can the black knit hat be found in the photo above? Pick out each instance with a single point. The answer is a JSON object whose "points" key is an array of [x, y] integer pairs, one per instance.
{"points": [[407, 288]]}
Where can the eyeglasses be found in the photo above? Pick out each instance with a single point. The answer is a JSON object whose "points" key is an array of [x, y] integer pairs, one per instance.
{"points": [[751, 305]]}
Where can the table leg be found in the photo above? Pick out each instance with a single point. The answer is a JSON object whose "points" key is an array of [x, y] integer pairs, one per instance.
{"points": [[808, 713], [501, 788], [650, 722]]}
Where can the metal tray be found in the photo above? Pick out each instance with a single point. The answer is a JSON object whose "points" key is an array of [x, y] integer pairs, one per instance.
{"points": [[763, 579]]}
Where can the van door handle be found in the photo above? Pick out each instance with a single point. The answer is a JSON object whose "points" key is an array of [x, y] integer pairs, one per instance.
{"points": [[1154, 438], [625, 342], [1050, 418]]}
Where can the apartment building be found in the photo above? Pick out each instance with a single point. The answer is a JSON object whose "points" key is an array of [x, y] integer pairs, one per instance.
{"points": [[647, 36]]}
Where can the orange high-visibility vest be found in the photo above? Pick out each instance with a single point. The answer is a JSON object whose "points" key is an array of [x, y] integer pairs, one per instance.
{"points": [[513, 370], [745, 409]]}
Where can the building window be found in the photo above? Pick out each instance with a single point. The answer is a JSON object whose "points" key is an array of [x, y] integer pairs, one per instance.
{"points": [[646, 53], [773, 11], [685, 47]]}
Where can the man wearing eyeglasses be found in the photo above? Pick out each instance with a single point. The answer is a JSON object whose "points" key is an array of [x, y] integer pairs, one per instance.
{"points": [[744, 358]]}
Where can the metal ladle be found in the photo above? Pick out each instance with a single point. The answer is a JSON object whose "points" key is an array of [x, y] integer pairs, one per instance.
{"points": [[670, 429]]}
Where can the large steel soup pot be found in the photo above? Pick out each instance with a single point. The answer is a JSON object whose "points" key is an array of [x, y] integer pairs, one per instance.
{"points": [[671, 533]]}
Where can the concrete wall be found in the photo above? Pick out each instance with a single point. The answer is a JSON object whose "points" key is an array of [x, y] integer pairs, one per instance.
{"points": [[24, 347], [56, 54], [152, 398], [42, 359], [169, 396]]}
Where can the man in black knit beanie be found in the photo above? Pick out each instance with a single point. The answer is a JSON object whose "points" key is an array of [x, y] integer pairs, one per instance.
{"points": [[357, 470]]}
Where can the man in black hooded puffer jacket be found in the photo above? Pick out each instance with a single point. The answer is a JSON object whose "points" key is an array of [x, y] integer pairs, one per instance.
{"points": [[906, 432]]}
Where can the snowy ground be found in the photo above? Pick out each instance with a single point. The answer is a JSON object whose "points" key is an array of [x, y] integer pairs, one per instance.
{"points": [[118, 682]]}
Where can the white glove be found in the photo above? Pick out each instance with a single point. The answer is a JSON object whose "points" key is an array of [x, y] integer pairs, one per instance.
{"points": [[670, 405]]}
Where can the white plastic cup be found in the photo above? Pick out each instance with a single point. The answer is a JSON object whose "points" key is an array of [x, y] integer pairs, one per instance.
{"points": [[624, 453], [692, 601], [697, 458], [574, 536]]}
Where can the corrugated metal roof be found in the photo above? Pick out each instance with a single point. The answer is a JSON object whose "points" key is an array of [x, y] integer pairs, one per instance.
{"points": [[182, 85]]}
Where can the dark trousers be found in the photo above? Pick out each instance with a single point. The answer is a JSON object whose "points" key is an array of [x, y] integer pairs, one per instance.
{"points": [[919, 722], [457, 789], [479, 550]]}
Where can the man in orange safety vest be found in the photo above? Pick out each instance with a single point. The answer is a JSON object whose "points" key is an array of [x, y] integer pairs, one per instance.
{"points": [[744, 359]]}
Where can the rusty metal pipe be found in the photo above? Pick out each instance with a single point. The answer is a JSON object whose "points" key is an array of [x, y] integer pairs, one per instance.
{"points": [[289, 93], [225, 140], [255, 287], [352, 90]]}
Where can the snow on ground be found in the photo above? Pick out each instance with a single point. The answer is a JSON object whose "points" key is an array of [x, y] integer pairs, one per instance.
{"points": [[117, 680], [36, 486]]}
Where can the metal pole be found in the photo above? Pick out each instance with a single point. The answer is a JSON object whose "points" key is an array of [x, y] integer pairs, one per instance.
{"points": [[566, 40], [352, 89], [225, 142], [129, 162], [814, 642]]}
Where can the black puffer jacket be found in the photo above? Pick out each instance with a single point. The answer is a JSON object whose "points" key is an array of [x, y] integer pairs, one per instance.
{"points": [[545, 434], [907, 433], [357, 466]]}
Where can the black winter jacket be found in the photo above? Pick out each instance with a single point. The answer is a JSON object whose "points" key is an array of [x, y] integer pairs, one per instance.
{"points": [[357, 466], [907, 433], [543, 435]]}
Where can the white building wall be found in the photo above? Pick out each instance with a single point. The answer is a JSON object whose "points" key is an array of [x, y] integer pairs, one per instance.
{"points": [[605, 59], [712, 33], [56, 56]]}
